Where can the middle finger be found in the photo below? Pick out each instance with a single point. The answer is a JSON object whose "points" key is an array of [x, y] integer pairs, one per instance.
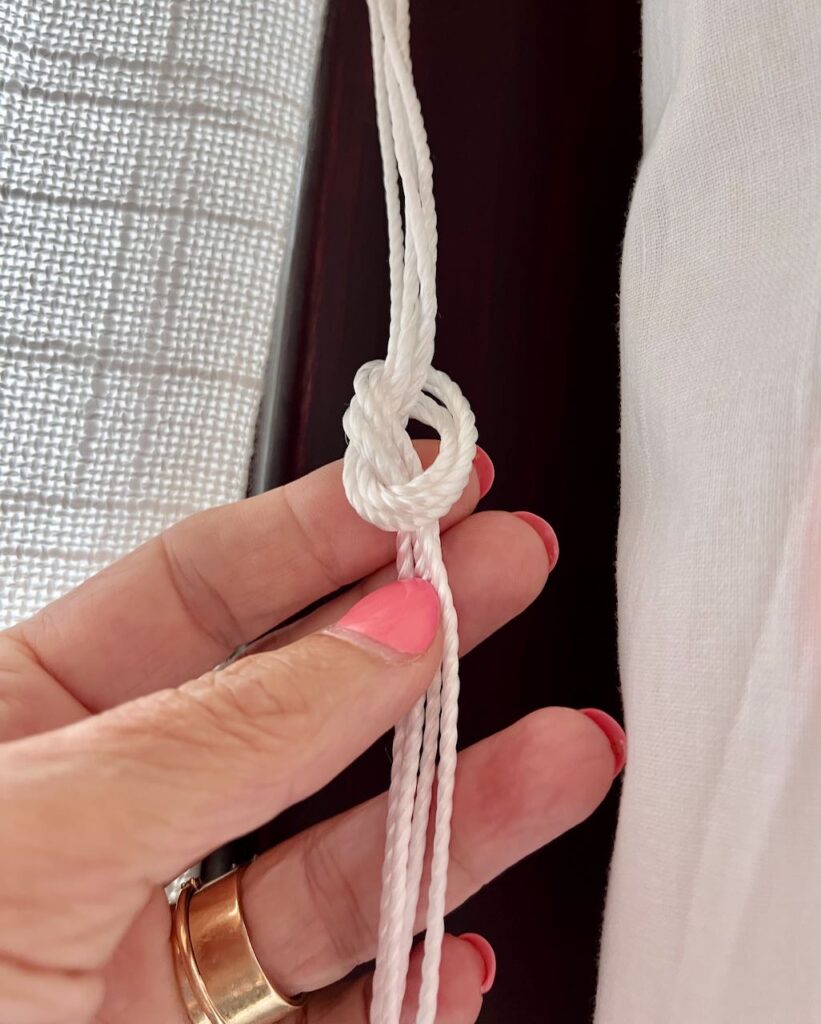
{"points": [[312, 903]]}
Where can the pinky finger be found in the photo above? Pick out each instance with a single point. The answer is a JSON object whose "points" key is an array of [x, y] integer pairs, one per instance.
{"points": [[462, 978]]}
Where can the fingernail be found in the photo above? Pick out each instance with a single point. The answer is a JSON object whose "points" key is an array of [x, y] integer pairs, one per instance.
{"points": [[484, 470], [614, 733], [485, 951], [403, 616], [546, 534]]}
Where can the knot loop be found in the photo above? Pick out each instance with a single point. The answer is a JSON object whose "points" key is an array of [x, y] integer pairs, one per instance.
{"points": [[382, 474]]}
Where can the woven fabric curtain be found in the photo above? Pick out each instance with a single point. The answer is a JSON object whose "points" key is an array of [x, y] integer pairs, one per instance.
{"points": [[150, 155]]}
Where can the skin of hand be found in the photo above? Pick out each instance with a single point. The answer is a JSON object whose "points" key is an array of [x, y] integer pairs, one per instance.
{"points": [[125, 757]]}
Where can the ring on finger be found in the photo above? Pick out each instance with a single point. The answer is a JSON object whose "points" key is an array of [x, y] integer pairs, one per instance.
{"points": [[220, 979]]}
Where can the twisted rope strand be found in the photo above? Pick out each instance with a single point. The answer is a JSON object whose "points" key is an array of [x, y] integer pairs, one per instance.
{"points": [[385, 483]]}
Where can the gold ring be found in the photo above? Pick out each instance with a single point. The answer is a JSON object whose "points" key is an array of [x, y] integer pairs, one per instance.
{"points": [[220, 978]]}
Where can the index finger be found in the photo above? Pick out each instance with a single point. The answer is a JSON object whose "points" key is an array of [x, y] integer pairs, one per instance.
{"points": [[182, 602]]}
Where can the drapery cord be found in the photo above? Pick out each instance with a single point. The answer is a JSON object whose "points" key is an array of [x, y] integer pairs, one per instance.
{"points": [[385, 483]]}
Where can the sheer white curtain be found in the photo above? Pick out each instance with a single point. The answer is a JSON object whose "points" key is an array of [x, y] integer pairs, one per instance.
{"points": [[713, 910], [150, 154]]}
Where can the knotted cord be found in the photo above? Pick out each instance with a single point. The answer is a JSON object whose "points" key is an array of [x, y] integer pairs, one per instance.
{"points": [[385, 483]]}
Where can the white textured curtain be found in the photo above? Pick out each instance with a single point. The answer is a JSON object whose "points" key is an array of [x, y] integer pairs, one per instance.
{"points": [[714, 909], [150, 152]]}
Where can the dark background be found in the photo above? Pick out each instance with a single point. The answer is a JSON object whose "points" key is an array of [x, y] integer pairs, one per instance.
{"points": [[533, 116]]}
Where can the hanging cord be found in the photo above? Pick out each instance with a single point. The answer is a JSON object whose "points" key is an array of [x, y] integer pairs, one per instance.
{"points": [[385, 483]]}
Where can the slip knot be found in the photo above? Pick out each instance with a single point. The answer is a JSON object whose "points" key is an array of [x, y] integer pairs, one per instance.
{"points": [[382, 474]]}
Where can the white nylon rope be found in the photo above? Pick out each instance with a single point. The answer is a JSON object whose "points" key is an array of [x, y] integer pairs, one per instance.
{"points": [[385, 483]]}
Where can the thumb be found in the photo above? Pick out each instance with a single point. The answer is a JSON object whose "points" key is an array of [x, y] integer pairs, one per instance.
{"points": [[156, 784]]}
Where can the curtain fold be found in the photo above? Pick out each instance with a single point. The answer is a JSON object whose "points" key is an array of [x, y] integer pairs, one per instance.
{"points": [[712, 908]]}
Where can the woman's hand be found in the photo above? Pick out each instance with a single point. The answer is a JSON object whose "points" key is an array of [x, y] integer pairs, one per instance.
{"points": [[117, 774]]}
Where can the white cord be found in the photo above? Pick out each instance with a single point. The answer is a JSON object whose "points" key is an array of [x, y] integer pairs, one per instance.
{"points": [[385, 483]]}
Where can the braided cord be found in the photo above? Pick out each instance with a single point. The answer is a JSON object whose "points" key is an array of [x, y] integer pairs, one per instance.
{"points": [[385, 483]]}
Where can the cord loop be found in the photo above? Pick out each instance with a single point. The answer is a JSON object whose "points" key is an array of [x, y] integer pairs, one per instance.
{"points": [[382, 474]]}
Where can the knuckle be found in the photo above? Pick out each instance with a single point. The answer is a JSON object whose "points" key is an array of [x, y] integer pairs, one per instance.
{"points": [[335, 902], [257, 704], [463, 866], [268, 688], [320, 551], [202, 603], [170, 730]]}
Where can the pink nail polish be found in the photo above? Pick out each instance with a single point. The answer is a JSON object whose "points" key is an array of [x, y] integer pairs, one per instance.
{"points": [[546, 534], [614, 733], [403, 616], [484, 470], [485, 951]]}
